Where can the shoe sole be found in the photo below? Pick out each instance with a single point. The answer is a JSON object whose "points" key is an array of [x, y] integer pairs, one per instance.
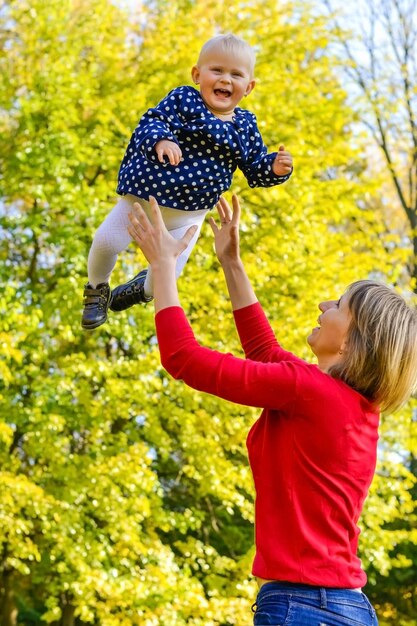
{"points": [[93, 326], [124, 308]]}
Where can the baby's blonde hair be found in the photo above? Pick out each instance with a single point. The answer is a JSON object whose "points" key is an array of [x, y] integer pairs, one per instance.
{"points": [[230, 43], [381, 351]]}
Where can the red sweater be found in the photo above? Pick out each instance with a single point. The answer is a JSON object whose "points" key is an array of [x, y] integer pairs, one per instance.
{"points": [[312, 451]]}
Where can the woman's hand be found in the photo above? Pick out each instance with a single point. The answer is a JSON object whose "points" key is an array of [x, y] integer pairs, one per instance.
{"points": [[226, 241], [226, 238], [152, 237]]}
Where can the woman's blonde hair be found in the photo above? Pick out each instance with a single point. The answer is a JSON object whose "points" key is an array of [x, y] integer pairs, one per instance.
{"points": [[381, 349], [230, 43]]}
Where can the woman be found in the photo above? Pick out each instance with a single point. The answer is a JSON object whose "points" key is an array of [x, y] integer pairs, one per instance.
{"points": [[313, 450]]}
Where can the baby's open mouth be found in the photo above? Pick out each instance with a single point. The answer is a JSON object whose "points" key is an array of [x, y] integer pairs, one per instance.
{"points": [[222, 93]]}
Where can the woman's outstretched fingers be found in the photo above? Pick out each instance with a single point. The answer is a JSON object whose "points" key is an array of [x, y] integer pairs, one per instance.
{"points": [[156, 213], [213, 225], [138, 222], [138, 210], [220, 209], [189, 235], [138, 216], [224, 210], [227, 214], [134, 228], [236, 209]]}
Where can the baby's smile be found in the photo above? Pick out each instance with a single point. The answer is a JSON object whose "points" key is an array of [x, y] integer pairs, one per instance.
{"points": [[223, 93]]}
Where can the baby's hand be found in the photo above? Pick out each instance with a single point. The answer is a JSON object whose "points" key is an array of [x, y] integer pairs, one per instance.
{"points": [[282, 164], [170, 149]]}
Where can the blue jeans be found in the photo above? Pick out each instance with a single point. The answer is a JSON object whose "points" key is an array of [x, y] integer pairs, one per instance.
{"points": [[289, 604]]}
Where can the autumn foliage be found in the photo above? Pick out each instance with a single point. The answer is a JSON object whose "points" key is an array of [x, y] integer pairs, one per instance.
{"points": [[126, 498]]}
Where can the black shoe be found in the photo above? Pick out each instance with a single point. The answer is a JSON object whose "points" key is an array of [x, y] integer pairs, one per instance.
{"points": [[96, 303], [132, 292]]}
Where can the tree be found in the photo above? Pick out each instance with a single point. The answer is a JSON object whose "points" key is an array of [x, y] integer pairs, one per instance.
{"points": [[379, 60]]}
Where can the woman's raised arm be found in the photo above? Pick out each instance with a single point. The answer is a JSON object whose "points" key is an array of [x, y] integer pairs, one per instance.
{"points": [[226, 241]]}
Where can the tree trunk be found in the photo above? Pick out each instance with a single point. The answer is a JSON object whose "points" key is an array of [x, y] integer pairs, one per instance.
{"points": [[414, 263], [8, 609], [67, 613], [67, 618]]}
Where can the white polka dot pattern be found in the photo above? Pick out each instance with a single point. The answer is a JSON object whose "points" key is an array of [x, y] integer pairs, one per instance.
{"points": [[211, 151]]}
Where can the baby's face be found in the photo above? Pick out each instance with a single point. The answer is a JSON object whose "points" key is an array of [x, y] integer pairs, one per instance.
{"points": [[224, 79]]}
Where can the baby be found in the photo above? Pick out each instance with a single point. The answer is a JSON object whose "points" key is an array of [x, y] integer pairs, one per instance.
{"points": [[183, 152]]}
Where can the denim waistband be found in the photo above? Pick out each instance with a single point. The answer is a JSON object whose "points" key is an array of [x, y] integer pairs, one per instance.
{"points": [[310, 591], [299, 597]]}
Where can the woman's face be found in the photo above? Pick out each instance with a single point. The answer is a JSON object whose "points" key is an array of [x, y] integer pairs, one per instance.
{"points": [[328, 340]]}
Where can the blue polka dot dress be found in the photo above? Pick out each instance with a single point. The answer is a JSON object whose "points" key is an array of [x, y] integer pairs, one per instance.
{"points": [[212, 149]]}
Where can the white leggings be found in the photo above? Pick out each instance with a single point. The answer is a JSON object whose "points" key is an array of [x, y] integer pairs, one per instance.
{"points": [[112, 237]]}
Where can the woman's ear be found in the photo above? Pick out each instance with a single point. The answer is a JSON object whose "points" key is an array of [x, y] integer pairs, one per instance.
{"points": [[195, 75], [344, 347]]}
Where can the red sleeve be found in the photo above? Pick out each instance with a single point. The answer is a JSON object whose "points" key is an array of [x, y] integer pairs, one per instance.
{"points": [[257, 337], [248, 382]]}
